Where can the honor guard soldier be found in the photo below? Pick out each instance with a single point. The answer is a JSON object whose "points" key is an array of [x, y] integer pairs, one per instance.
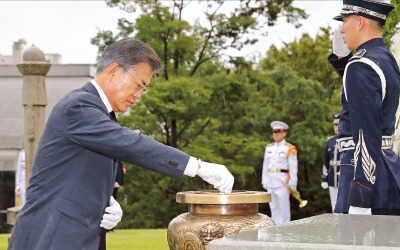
{"points": [[330, 169], [369, 170], [279, 173]]}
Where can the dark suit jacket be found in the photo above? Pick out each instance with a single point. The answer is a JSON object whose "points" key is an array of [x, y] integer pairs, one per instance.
{"points": [[74, 172], [120, 174]]}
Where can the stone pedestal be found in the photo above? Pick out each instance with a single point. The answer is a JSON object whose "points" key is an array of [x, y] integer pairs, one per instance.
{"points": [[327, 231], [214, 215], [12, 214], [33, 69]]}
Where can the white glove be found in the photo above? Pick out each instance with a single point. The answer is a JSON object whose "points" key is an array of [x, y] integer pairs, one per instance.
{"points": [[217, 175], [359, 210], [292, 184], [338, 44], [17, 190], [265, 187], [112, 215], [324, 185]]}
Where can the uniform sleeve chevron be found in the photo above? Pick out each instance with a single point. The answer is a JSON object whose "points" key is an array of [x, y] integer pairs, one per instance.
{"points": [[367, 162]]}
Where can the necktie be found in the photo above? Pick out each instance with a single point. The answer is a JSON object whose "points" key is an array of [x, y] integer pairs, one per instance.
{"points": [[112, 116]]}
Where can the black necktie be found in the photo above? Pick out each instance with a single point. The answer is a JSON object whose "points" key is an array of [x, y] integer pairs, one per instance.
{"points": [[112, 116]]}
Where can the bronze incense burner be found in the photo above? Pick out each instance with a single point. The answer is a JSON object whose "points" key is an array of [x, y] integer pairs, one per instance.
{"points": [[212, 214]]}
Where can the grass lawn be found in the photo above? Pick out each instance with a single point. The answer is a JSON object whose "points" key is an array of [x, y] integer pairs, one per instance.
{"points": [[138, 239], [134, 239]]}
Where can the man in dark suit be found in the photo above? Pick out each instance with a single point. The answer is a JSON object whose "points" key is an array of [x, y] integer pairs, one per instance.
{"points": [[69, 202]]}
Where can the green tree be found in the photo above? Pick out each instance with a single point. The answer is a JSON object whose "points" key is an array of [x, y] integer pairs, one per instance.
{"points": [[184, 47], [308, 57], [391, 27]]}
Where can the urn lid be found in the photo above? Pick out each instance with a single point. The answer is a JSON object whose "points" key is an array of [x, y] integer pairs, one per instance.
{"points": [[215, 197]]}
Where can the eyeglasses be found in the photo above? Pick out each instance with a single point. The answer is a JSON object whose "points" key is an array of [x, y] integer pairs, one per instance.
{"points": [[276, 131], [142, 88]]}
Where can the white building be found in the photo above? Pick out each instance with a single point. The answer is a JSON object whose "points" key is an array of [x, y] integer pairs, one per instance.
{"points": [[18, 49]]}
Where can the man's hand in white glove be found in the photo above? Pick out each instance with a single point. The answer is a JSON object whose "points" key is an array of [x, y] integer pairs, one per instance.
{"points": [[324, 185], [359, 210], [112, 215], [217, 175], [292, 184], [17, 190], [338, 45]]}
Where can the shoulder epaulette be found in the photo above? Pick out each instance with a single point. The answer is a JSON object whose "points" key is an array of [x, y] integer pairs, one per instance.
{"points": [[330, 137], [359, 54], [272, 143], [292, 149]]}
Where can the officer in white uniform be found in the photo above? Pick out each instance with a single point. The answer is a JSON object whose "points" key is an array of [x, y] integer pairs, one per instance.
{"points": [[20, 180], [279, 172]]}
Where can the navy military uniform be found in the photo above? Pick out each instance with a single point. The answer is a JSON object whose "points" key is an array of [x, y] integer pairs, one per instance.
{"points": [[369, 169], [328, 174], [330, 169]]}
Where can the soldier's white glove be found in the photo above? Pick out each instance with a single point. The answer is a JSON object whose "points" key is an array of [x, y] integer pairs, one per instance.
{"points": [[338, 45], [112, 215], [292, 184], [265, 187], [359, 210], [217, 175], [17, 190], [324, 185]]}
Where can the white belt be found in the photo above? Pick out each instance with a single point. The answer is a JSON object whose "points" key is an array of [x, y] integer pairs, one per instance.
{"points": [[278, 170], [347, 143]]}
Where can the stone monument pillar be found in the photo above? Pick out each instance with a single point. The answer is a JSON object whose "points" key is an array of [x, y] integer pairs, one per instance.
{"points": [[33, 69]]}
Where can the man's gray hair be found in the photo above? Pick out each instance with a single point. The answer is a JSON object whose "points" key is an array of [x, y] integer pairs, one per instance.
{"points": [[128, 53]]}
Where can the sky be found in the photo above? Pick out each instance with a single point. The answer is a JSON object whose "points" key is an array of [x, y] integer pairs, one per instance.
{"points": [[66, 27]]}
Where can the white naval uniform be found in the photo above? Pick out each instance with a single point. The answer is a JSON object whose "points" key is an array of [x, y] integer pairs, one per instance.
{"points": [[20, 179], [276, 157]]}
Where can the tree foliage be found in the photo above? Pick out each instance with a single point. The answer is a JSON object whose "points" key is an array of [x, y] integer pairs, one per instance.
{"points": [[391, 27], [184, 47], [312, 52]]}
